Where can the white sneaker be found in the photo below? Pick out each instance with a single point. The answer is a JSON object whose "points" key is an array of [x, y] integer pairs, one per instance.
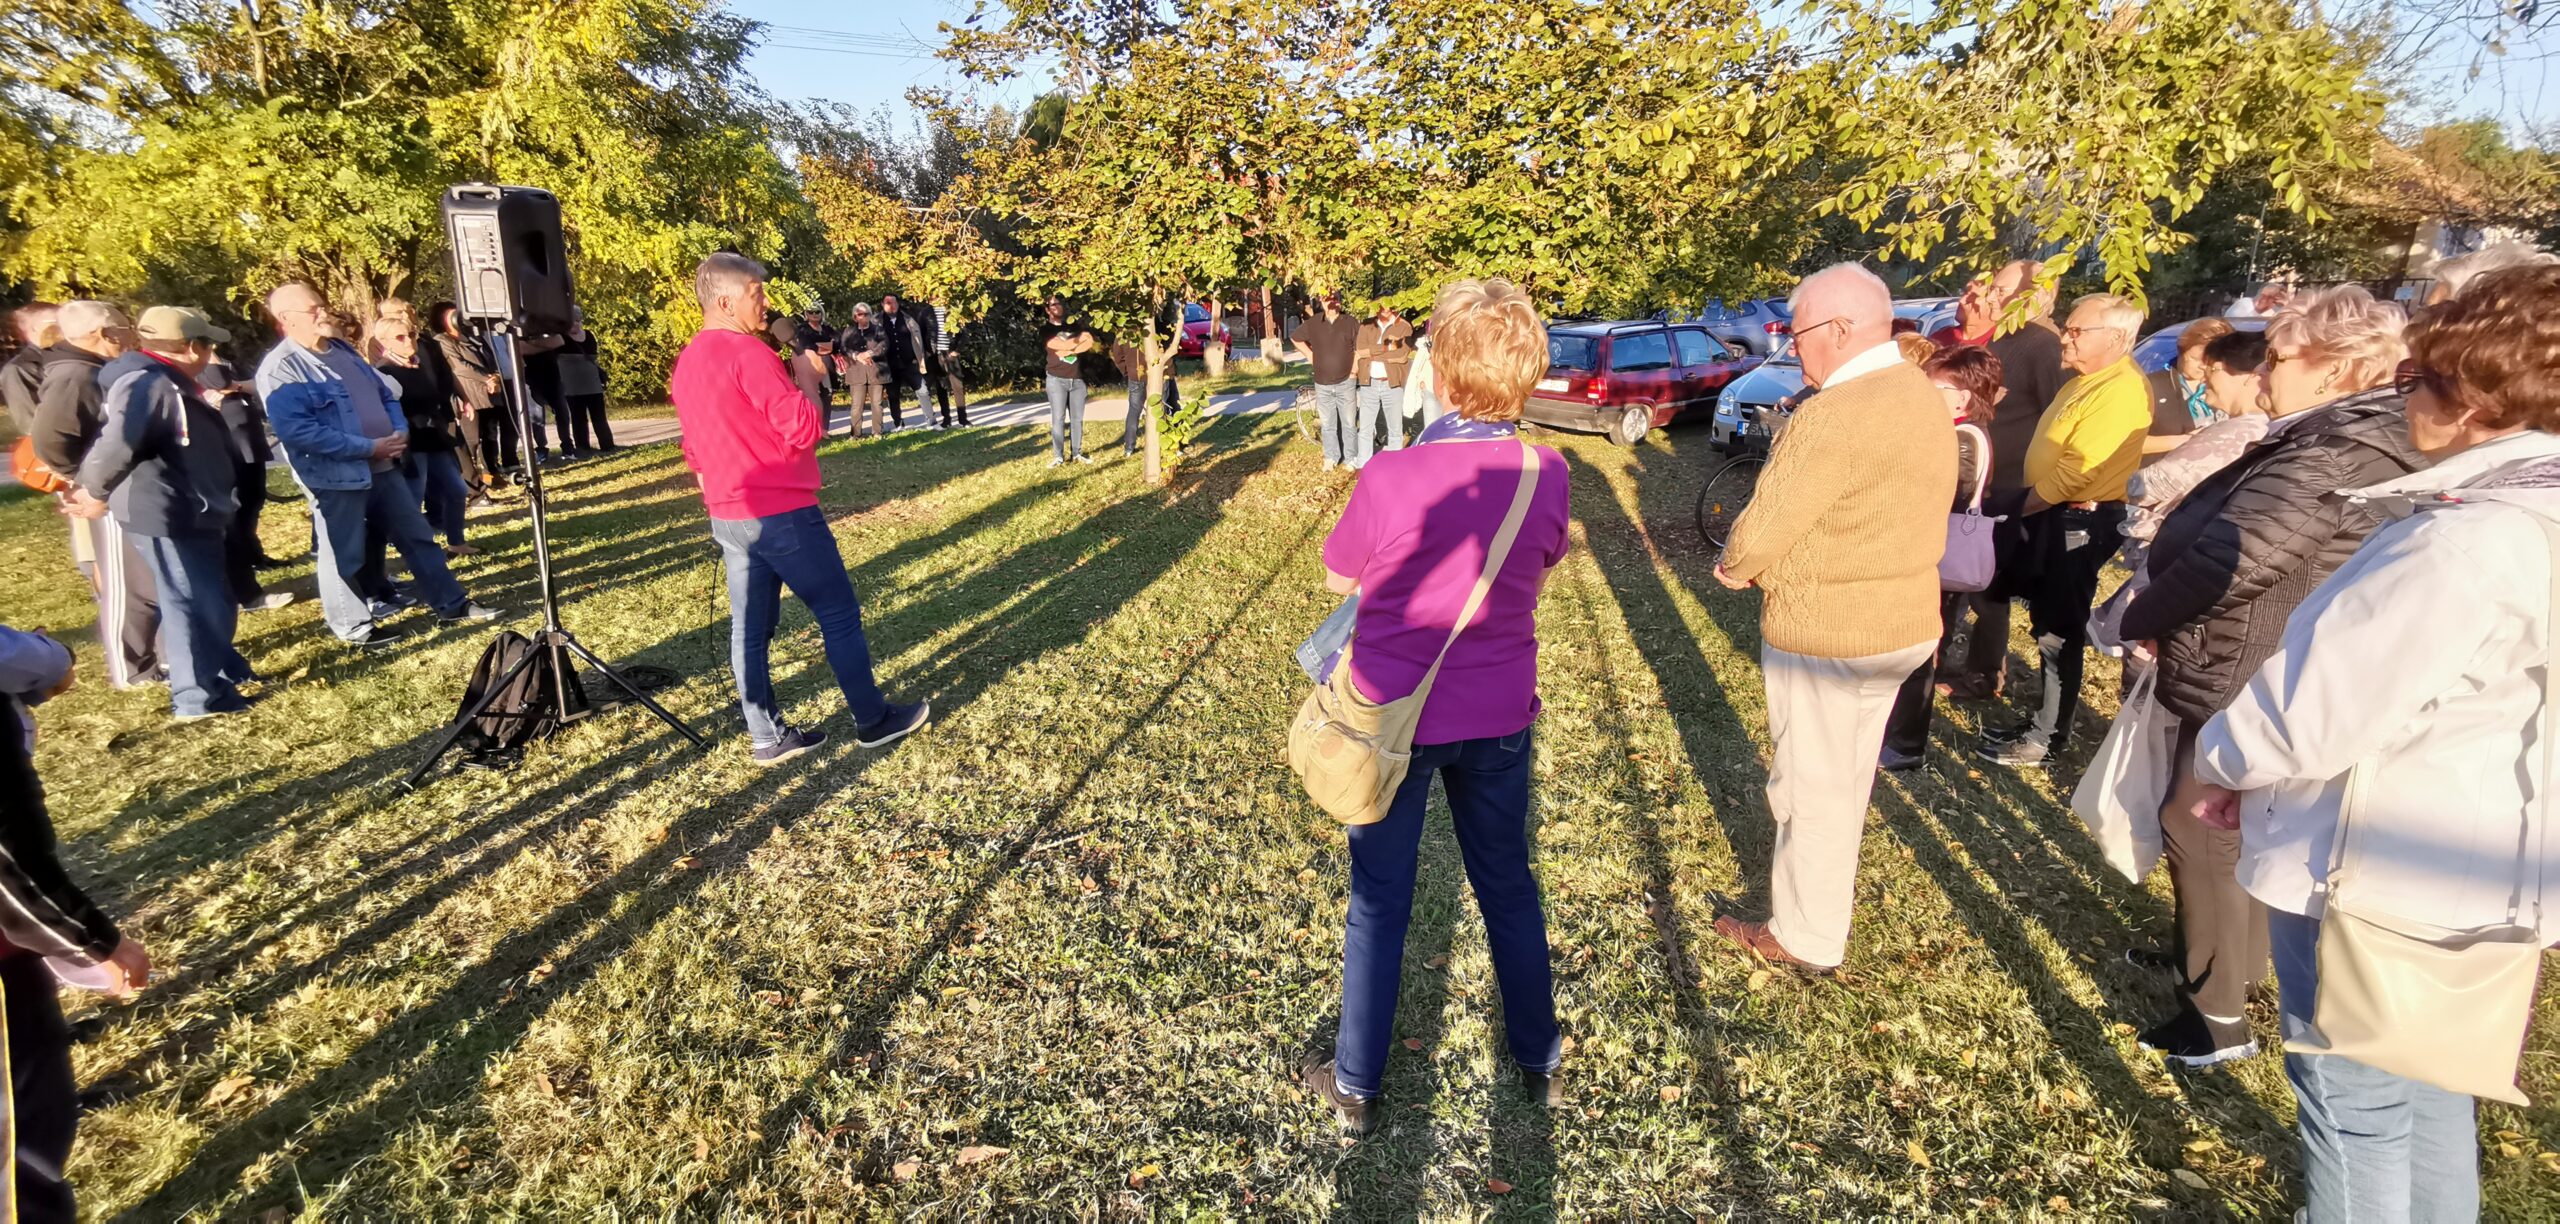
{"points": [[1084, 458], [1054, 461], [268, 602]]}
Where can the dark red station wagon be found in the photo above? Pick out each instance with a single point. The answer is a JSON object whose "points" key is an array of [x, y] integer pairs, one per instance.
{"points": [[1628, 378]]}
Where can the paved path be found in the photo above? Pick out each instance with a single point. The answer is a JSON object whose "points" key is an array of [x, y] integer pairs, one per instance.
{"points": [[1109, 406]]}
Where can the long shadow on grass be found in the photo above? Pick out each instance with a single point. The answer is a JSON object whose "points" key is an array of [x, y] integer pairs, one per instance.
{"points": [[868, 1020], [491, 1005], [1711, 734]]}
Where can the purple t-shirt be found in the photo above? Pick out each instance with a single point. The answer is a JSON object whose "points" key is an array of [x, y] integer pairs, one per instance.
{"points": [[1415, 536]]}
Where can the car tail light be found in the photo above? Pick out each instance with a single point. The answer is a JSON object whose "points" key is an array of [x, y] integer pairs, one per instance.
{"points": [[1774, 329], [1599, 389]]}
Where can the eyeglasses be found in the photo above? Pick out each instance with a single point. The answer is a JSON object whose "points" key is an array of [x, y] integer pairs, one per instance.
{"points": [[2074, 333], [2410, 377], [1800, 331]]}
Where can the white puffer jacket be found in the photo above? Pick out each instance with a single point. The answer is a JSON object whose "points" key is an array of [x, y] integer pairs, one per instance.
{"points": [[2423, 660]]}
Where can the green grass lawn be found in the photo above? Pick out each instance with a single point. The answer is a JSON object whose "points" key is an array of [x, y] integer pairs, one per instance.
{"points": [[1058, 954]]}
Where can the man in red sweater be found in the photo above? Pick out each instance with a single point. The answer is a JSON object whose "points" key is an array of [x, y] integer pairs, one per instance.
{"points": [[751, 439]]}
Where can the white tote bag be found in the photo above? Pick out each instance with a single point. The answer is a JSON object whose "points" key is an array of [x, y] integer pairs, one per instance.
{"points": [[2119, 797]]}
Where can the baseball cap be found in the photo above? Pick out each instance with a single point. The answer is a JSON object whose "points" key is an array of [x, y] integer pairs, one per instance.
{"points": [[180, 323]]}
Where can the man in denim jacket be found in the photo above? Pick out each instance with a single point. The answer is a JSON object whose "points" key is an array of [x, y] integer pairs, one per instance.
{"points": [[340, 422]]}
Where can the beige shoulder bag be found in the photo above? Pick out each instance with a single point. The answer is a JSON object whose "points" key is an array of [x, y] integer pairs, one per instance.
{"points": [[1352, 752], [2442, 1007]]}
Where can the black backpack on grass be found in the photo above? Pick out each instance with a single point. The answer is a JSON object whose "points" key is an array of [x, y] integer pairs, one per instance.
{"points": [[537, 701]]}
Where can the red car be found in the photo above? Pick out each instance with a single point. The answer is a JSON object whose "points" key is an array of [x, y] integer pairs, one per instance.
{"points": [[1195, 330], [1631, 377]]}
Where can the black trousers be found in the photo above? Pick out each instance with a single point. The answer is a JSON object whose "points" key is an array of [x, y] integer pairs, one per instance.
{"points": [[1906, 730], [583, 427], [497, 437], [44, 1103], [2072, 548]]}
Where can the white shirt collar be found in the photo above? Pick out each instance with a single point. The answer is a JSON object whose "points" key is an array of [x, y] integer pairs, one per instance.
{"points": [[1880, 357]]}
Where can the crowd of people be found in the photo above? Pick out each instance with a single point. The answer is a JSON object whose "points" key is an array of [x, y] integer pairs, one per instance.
{"points": [[2342, 535]]}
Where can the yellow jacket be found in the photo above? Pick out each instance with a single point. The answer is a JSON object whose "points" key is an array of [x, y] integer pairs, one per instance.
{"points": [[2090, 441]]}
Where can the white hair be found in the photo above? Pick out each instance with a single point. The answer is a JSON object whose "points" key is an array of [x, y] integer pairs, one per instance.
{"points": [[2113, 311], [724, 274], [1867, 297], [2452, 274], [84, 317]]}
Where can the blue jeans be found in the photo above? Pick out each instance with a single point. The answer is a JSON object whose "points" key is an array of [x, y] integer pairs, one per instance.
{"points": [[438, 475], [1377, 400], [1335, 420], [797, 550], [1066, 414], [197, 617], [338, 518], [2375, 1146], [1136, 426], [1487, 781]]}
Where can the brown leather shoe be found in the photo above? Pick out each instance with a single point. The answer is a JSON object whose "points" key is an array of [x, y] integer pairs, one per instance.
{"points": [[1754, 938]]}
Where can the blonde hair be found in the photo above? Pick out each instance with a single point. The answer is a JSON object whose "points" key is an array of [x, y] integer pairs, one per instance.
{"points": [[1488, 348], [2345, 325]]}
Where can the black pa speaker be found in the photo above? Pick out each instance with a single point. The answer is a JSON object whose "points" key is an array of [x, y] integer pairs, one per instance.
{"points": [[508, 261]]}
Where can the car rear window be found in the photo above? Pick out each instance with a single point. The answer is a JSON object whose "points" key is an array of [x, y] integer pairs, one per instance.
{"points": [[1195, 314], [1641, 351], [1697, 349], [1572, 352]]}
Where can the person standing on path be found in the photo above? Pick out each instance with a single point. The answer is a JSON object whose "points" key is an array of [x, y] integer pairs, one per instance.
{"points": [[163, 461], [434, 439], [1064, 340], [1384, 354], [861, 350], [43, 916], [751, 438], [1844, 538], [1329, 341]]}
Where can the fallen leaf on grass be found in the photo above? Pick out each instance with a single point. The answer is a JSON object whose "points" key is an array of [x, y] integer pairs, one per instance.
{"points": [[1438, 962], [953, 992], [2189, 1178], [1413, 1043], [904, 1170], [2058, 1203], [1088, 885], [975, 1154], [2510, 1151], [2550, 1162], [1966, 1058], [228, 1089], [1758, 979], [1140, 1177], [702, 1149], [683, 861], [1307, 874], [1497, 1185], [1918, 1154], [1670, 1093]]}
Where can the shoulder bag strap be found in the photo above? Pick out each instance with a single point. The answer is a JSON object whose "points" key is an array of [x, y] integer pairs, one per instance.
{"points": [[1493, 561], [1981, 464]]}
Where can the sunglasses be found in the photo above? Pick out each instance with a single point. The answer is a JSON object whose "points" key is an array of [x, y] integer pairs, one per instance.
{"points": [[2410, 377]]}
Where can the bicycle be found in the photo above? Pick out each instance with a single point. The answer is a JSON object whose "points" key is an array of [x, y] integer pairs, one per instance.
{"points": [[1727, 492]]}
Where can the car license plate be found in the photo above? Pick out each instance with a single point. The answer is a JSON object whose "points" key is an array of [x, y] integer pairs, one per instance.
{"points": [[1551, 384]]}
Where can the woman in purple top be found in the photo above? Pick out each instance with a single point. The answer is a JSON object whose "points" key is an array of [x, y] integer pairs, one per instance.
{"points": [[1413, 542]]}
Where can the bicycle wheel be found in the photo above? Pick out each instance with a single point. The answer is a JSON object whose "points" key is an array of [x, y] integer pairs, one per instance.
{"points": [[1727, 491]]}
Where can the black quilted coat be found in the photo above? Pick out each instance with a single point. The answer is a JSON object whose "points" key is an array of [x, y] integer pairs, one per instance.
{"points": [[2250, 543]]}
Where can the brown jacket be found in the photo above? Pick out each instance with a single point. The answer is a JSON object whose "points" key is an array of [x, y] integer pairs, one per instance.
{"points": [[1846, 527], [1391, 342]]}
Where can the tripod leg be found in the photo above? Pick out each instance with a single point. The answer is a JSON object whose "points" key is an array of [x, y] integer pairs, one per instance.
{"points": [[444, 742], [633, 689]]}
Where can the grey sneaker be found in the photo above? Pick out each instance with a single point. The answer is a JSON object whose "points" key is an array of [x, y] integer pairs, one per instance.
{"points": [[793, 742], [2017, 754], [1055, 461], [470, 612], [268, 602]]}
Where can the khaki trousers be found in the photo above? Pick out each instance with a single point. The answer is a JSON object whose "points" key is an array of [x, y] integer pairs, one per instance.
{"points": [[1827, 718], [862, 386]]}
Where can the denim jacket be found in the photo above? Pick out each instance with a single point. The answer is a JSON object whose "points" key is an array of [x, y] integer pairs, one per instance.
{"points": [[314, 418]]}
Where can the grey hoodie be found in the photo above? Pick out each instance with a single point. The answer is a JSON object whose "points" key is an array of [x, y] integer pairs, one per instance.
{"points": [[163, 457]]}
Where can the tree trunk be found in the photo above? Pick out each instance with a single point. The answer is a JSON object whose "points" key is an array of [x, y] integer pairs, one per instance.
{"points": [[1213, 351], [1152, 353]]}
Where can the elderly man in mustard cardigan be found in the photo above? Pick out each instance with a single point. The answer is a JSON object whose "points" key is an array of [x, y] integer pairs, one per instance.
{"points": [[1843, 538]]}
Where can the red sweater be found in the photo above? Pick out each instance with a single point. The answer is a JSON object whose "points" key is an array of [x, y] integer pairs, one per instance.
{"points": [[750, 437]]}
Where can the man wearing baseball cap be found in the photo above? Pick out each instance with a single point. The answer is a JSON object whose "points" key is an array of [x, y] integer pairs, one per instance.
{"points": [[163, 462]]}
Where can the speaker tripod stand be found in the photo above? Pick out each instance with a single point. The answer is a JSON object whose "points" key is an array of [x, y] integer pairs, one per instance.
{"points": [[553, 639]]}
